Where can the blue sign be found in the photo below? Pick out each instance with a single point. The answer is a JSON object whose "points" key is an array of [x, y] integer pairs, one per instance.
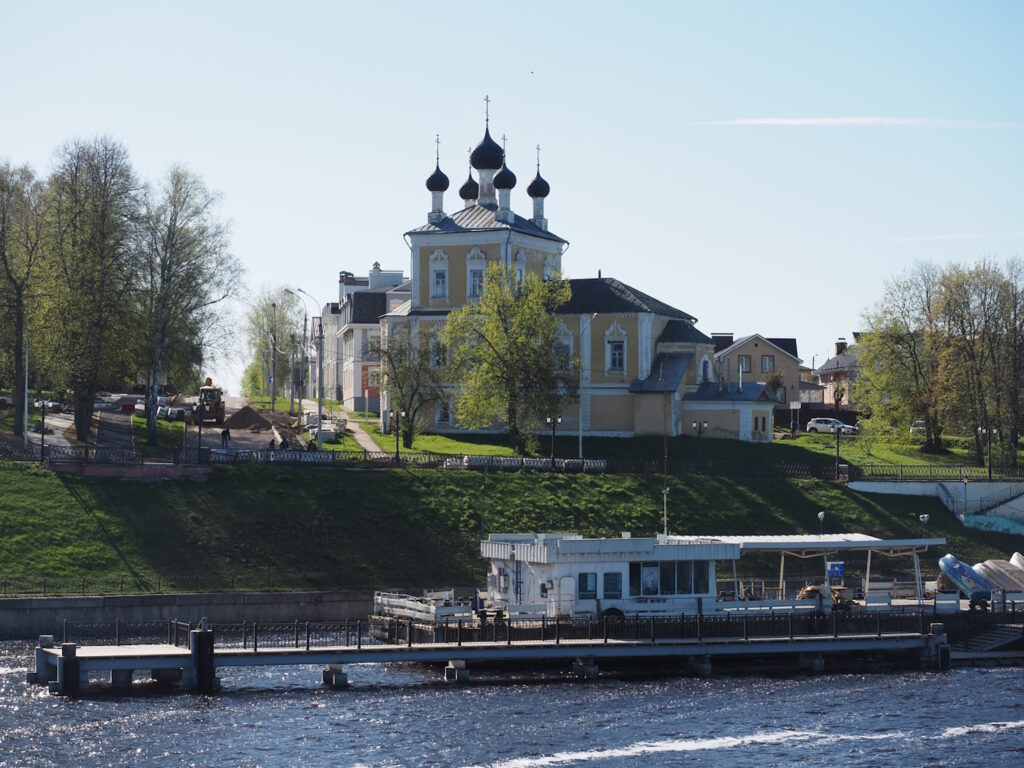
{"points": [[271, 377], [835, 570]]}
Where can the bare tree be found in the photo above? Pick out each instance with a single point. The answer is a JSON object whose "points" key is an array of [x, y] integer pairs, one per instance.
{"points": [[186, 271], [22, 218]]}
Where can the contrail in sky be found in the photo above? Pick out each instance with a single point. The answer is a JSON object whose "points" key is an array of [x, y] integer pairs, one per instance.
{"points": [[863, 120], [958, 236]]}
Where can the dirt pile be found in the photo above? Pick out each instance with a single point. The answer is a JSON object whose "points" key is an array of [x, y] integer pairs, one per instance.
{"points": [[247, 418]]}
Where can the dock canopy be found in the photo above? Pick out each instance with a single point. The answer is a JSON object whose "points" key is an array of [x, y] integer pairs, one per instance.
{"points": [[801, 545]]}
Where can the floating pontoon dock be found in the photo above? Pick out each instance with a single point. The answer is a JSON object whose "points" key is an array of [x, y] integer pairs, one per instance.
{"points": [[70, 668]]}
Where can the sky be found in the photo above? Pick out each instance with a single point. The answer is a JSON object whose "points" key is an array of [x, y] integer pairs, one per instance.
{"points": [[763, 166]]}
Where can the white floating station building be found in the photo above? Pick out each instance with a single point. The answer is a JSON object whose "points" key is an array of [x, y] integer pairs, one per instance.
{"points": [[563, 574]]}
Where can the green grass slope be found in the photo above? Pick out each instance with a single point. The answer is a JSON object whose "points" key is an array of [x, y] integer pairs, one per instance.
{"points": [[293, 527]]}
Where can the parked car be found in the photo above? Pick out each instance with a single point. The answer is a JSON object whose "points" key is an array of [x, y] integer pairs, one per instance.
{"points": [[830, 425], [917, 428]]}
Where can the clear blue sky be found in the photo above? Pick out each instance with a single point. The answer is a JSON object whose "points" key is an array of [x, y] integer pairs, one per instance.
{"points": [[763, 166]]}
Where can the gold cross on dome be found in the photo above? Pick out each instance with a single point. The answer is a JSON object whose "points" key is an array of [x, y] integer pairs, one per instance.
{"points": [[487, 107], [437, 143]]}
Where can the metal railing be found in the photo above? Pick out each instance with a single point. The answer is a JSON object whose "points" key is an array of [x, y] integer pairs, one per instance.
{"points": [[907, 472]]}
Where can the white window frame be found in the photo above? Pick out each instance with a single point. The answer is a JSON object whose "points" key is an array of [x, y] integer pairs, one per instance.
{"points": [[520, 268], [476, 259], [549, 267], [438, 353], [768, 360], [438, 269], [740, 359], [614, 336]]}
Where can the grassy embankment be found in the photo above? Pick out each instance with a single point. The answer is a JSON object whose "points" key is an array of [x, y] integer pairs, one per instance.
{"points": [[295, 527]]}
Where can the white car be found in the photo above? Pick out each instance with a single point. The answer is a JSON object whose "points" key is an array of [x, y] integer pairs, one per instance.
{"points": [[830, 425]]}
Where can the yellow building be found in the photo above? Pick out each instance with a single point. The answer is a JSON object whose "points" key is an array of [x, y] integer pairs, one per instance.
{"points": [[644, 366]]}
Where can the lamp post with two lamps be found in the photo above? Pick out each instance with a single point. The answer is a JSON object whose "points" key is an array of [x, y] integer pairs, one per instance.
{"points": [[395, 417], [700, 427], [553, 422]]}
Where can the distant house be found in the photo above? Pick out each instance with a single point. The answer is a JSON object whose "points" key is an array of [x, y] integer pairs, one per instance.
{"points": [[810, 390], [771, 360], [838, 374]]}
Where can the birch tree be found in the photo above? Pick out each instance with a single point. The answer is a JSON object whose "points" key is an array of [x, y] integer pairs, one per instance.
{"points": [[186, 272]]}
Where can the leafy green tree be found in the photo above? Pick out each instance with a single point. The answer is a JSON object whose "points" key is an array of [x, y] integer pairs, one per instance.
{"points": [[273, 316], [186, 272], [898, 377], [22, 227], [93, 213], [505, 358], [414, 385]]}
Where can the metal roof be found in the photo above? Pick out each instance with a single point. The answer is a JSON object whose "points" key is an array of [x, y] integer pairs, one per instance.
{"points": [[667, 373], [682, 332], [480, 218], [711, 391], [803, 545], [608, 295], [788, 346]]}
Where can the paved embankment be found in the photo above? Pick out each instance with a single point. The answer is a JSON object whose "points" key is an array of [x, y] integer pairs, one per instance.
{"points": [[23, 618]]}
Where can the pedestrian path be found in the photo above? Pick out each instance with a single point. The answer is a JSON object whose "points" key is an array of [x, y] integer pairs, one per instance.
{"points": [[114, 430], [364, 440]]}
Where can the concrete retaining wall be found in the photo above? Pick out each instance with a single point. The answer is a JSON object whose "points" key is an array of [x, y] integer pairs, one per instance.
{"points": [[29, 617]]}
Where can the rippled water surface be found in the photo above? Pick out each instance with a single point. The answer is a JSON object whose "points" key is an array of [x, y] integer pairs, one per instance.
{"points": [[397, 716]]}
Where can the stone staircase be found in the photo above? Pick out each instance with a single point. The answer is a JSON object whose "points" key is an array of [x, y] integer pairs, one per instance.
{"points": [[992, 638]]}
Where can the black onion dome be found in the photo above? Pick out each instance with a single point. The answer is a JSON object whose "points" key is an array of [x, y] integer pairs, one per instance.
{"points": [[504, 179], [488, 155], [437, 182], [470, 190], [538, 187]]}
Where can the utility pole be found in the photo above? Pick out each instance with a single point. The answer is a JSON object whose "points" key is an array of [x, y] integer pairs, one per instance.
{"points": [[273, 355], [291, 402]]}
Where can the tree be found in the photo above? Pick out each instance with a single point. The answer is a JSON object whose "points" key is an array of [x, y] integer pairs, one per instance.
{"points": [[22, 227], [505, 357], [273, 316], [898, 374], [186, 271], [413, 384], [94, 212]]}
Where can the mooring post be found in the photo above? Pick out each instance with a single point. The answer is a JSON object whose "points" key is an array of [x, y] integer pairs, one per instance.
{"points": [[200, 642]]}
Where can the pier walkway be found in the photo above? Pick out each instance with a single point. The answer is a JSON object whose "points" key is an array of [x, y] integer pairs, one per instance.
{"points": [[70, 667]]}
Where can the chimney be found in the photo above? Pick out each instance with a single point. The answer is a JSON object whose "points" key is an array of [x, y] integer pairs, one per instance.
{"points": [[840, 345]]}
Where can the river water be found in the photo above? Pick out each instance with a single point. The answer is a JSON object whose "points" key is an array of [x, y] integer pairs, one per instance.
{"points": [[403, 716]]}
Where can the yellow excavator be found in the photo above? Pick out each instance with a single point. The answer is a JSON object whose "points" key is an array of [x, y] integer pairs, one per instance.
{"points": [[211, 404]]}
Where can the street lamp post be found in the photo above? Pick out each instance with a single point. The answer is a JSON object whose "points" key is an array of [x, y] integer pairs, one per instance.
{"points": [[821, 523], [924, 522], [396, 421], [700, 427], [986, 433], [580, 418], [553, 422], [318, 334], [965, 498]]}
